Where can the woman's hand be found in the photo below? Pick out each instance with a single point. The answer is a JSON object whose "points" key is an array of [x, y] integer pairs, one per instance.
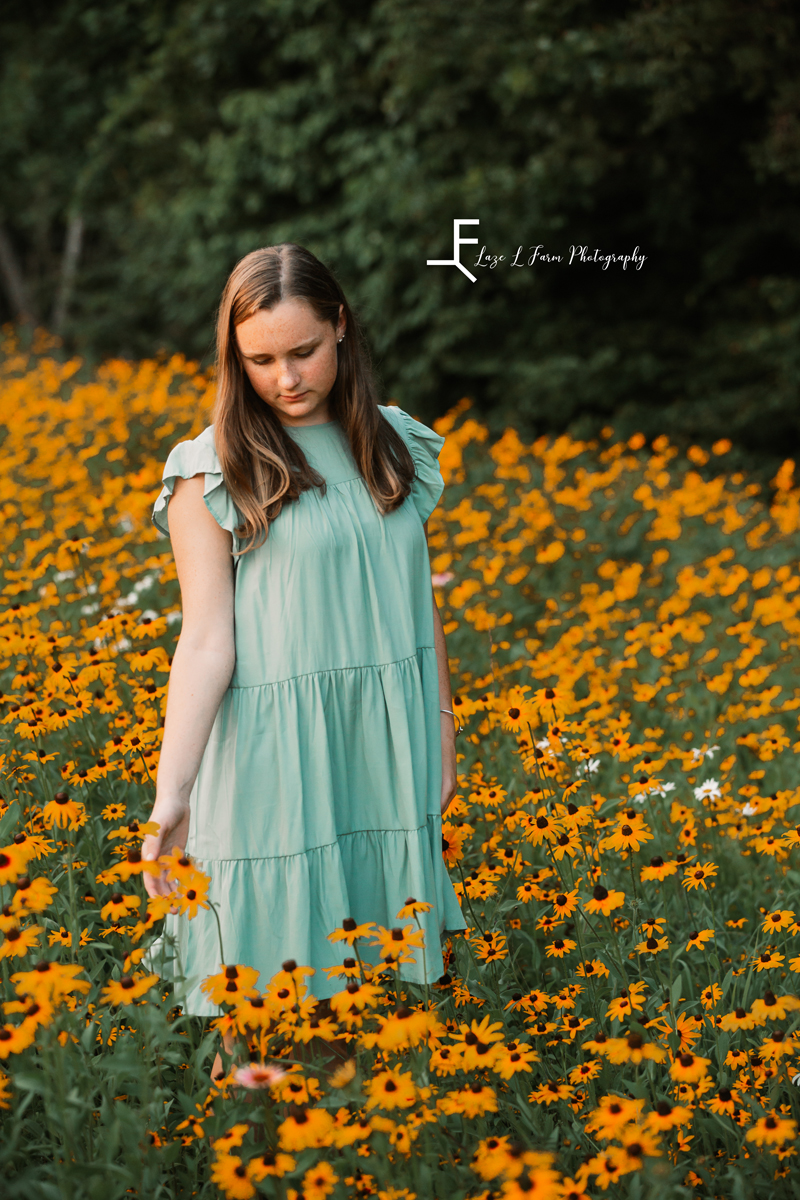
{"points": [[172, 816], [449, 771]]}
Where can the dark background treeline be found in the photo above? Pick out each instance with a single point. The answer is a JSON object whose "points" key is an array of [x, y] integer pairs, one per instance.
{"points": [[145, 145]]}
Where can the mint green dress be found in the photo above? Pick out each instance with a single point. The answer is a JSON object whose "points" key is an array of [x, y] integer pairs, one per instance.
{"points": [[319, 792]]}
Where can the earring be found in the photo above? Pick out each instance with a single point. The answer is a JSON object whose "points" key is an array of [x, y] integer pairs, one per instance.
{"points": [[341, 339]]}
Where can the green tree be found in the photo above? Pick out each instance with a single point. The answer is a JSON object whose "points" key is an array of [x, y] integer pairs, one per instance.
{"points": [[178, 136]]}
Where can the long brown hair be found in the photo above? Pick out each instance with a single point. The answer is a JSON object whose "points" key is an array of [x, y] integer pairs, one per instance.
{"points": [[263, 466]]}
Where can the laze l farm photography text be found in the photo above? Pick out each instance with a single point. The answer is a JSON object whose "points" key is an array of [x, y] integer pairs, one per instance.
{"points": [[531, 256]]}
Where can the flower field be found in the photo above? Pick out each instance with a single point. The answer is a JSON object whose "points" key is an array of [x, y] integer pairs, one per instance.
{"points": [[621, 1019]]}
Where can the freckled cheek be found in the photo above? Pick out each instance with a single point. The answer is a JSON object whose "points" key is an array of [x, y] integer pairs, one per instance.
{"points": [[320, 374]]}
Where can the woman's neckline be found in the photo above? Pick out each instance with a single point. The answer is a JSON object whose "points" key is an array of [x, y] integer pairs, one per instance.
{"points": [[316, 425]]}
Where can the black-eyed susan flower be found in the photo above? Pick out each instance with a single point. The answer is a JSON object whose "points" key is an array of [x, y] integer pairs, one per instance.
{"points": [[491, 947], [593, 969], [119, 905], [63, 937], [127, 989], [768, 960], [191, 894], [550, 1092], [688, 1029], [565, 998], [413, 907], [405, 1027], [445, 1060], [135, 831], [772, 1130], [132, 864], [607, 1167], [653, 926], [113, 812], [542, 828], [573, 1026], [560, 947], [472, 1100], [526, 892], [565, 903], [270, 1164], [634, 1049], [736, 1058], [777, 1046], [253, 1012], [453, 839], [311, 1127], [699, 875], [628, 1001], [604, 901], [32, 895], [740, 1018], [398, 941], [573, 1189], [229, 1173], [596, 1043], [64, 812], [390, 1089], [17, 942], [666, 1116], [566, 843], [230, 984], [585, 1071], [612, 1114], [638, 1143], [711, 996], [657, 870], [12, 865], [652, 945], [781, 919], [16, 1038], [689, 1068], [514, 1059], [628, 836], [349, 1004], [724, 1102], [548, 922], [489, 1157], [772, 1007], [319, 1181], [34, 1012], [698, 938]]}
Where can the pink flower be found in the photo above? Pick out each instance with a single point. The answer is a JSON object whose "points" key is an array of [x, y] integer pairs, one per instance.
{"points": [[258, 1075], [442, 578]]}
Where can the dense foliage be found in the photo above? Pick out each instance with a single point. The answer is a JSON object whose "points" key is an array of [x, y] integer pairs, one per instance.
{"points": [[145, 146], [621, 1017]]}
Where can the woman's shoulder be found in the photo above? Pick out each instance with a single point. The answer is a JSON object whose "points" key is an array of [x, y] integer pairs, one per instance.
{"points": [[421, 440], [193, 456], [424, 445], [196, 456]]}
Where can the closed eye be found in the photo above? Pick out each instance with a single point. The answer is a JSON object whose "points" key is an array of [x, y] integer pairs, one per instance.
{"points": [[263, 360]]}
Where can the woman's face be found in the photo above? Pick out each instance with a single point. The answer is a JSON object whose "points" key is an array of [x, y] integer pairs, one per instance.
{"points": [[291, 360]]}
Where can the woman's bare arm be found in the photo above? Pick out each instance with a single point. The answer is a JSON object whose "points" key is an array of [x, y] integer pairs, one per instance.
{"points": [[202, 665]]}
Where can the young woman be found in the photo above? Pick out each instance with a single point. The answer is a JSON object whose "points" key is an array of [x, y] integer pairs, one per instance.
{"points": [[309, 742]]}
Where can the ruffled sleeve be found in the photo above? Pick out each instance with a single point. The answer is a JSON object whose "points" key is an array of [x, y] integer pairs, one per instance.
{"points": [[424, 444], [198, 457]]}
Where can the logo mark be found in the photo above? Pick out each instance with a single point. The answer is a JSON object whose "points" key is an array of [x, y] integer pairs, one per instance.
{"points": [[458, 240]]}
